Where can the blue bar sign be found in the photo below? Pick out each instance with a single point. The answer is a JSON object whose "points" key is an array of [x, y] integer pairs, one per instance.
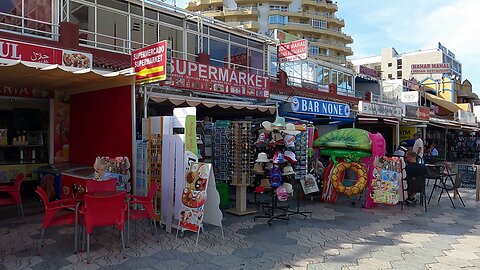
{"points": [[319, 107]]}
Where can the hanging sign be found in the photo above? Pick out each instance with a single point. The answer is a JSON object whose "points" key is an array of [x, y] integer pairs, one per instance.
{"points": [[15, 50], [410, 97], [194, 196], [379, 109], [292, 51], [319, 107], [206, 78], [152, 62]]}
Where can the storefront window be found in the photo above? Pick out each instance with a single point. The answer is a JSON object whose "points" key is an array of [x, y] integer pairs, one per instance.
{"points": [[237, 39], [335, 77], [113, 27], [8, 9], [83, 16], [273, 62], [238, 57], [175, 36], [192, 46], [218, 52], [136, 32], [256, 61], [319, 74], [326, 75], [151, 32], [115, 4], [38, 10]]}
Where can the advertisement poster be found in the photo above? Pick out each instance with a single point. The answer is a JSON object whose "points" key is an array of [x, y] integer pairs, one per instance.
{"points": [[194, 196], [387, 183], [206, 78]]}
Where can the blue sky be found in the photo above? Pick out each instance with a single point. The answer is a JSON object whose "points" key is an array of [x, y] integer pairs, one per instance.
{"points": [[409, 25]]}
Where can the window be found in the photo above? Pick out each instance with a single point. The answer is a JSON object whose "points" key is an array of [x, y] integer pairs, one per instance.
{"points": [[238, 57], [399, 74], [113, 27], [390, 76], [218, 52], [83, 16], [277, 19], [279, 8], [314, 50], [256, 61], [319, 24], [389, 64], [175, 36], [35, 16], [399, 63]]}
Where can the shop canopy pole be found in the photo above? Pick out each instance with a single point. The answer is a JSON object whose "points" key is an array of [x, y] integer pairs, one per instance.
{"points": [[446, 143], [145, 102]]}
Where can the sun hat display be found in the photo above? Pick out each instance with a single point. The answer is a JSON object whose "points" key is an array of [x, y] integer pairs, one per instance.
{"points": [[288, 187], [289, 140], [265, 183], [290, 157], [278, 157], [288, 170], [258, 169], [291, 129], [262, 157], [276, 139], [279, 123], [276, 177], [282, 194], [268, 166]]}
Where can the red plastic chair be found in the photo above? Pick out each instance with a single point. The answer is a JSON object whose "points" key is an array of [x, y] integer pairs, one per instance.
{"points": [[52, 209], [148, 211], [103, 185], [14, 194], [105, 211]]}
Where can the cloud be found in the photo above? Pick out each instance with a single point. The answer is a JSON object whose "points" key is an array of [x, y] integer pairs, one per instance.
{"points": [[409, 25]]}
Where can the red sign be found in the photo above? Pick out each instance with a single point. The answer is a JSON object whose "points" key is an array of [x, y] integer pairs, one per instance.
{"points": [[292, 51], [439, 68], [369, 72], [423, 113], [201, 77], [14, 50], [151, 63]]}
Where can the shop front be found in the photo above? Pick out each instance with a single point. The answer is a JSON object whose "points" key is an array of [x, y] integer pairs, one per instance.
{"points": [[382, 118], [57, 109], [415, 120]]}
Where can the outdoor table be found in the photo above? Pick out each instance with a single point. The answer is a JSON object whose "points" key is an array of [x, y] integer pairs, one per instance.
{"points": [[444, 175], [80, 198]]}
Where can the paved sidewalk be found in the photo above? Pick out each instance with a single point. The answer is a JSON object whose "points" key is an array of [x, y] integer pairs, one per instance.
{"points": [[339, 236]]}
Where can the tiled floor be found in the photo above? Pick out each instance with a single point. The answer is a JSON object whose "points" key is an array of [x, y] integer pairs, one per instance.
{"points": [[339, 236]]}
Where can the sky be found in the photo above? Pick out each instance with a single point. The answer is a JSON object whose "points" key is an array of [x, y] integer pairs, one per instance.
{"points": [[410, 25]]}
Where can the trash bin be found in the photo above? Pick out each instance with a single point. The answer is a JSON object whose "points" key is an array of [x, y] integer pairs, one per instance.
{"points": [[223, 191]]}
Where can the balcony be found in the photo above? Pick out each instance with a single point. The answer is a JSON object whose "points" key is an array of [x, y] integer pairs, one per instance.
{"points": [[321, 4], [242, 11], [331, 45], [200, 3], [244, 24], [305, 27]]}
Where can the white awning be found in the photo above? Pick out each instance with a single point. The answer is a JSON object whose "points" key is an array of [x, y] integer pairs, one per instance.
{"points": [[51, 77], [178, 100]]}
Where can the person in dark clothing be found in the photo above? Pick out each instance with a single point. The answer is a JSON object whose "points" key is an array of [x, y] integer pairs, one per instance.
{"points": [[416, 173]]}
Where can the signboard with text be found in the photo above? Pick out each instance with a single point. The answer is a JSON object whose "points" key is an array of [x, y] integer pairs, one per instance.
{"points": [[319, 107], [410, 97], [379, 109], [152, 62], [27, 92], [15, 50], [368, 71], [292, 51], [420, 112], [440, 68], [206, 78]]}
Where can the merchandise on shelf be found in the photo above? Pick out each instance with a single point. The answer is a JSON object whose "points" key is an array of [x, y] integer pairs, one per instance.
{"points": [[242, 152], [222, 151]]}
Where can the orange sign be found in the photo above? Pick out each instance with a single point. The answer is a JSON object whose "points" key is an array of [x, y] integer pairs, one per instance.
{"points": [[152, 63]]}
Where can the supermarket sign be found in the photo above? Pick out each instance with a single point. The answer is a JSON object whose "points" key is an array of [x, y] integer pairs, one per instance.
{"points": [[15, 50], [439, 68], [292, 51], [206, 78], [151, 64]]}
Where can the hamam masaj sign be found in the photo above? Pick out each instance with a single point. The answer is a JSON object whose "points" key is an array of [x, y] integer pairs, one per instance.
{"points": [[201, 77], [439, 68]]}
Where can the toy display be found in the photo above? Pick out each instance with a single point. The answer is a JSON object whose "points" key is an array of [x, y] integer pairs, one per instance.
{"points": [[352, 149]]}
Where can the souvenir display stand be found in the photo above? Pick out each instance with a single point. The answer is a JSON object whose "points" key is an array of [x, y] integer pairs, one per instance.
{"points": [[242, 158]]}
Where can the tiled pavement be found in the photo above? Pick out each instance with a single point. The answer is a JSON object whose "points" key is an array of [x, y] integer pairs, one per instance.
{"points": [[340, 236]]}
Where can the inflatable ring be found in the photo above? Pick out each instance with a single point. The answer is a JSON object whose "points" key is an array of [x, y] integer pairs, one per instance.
{"points": [[336, 178]]}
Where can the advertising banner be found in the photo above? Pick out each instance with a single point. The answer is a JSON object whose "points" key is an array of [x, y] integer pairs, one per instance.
{"points": [[440, 68], [194, 196], [15, 50], [206, 78], [368, 71], [152, 62], [420, 112], [292, 51], [319, 107]]}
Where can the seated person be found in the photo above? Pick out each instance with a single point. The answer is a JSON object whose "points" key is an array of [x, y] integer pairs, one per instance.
{"points": [[416, 174]]}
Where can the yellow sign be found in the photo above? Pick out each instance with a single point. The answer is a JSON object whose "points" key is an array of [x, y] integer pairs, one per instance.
{"points": [[406, 133], [148, 71]]}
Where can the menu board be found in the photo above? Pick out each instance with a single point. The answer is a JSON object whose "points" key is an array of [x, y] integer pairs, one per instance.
{"points": [[468, 174], [194, 196], [387, 183]]}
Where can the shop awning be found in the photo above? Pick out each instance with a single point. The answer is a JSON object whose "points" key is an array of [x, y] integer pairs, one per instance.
{"points": [[50, 77], [375, 120], [442, 102], [444, 123], [210, 103]]}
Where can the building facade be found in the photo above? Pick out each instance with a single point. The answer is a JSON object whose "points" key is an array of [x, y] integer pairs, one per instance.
{"points": [[313, 20]]}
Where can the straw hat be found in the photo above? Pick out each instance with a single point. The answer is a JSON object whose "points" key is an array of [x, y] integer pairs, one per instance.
{"points": [[258, 169], [269, 166], [291, 129], [262, 157], [288, 187], [288, 170]]}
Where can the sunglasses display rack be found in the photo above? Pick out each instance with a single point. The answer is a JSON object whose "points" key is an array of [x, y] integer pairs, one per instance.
{"points": [[141, 168], [243, 152], [222, 150], [301, 149]]}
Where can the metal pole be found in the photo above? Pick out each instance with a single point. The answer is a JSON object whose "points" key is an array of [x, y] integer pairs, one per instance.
{"points": [[397, 139], [145, 102], [446, 143]]}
